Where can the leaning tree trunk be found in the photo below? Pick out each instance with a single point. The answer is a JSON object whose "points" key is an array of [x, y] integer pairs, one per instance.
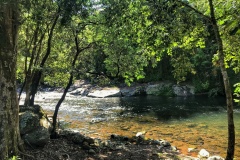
{"points": [[228, 92], [78, 51], [9, 119], [38, 73]]}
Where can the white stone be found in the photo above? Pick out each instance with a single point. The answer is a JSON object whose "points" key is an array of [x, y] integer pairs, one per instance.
{"points": [[105, 92], [140, 133], [215, 158], [191, 149], [203, 154]]}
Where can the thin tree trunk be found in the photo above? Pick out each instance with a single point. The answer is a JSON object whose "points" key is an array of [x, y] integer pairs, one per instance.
{"points": [[38, 74], [21, 90], [9, 119], [78, 51], [228, 92], [28, 75], [54, 132]]}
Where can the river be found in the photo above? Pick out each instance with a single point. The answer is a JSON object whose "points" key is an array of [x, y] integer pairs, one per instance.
{"points": [[186, 122]]}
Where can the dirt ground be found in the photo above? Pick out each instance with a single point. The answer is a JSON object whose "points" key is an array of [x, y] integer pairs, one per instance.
{"points": [[63, 149]]}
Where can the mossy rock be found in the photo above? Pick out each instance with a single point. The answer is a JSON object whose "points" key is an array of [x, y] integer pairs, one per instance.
{"points": [[35, 109], [160, 89], [38, 137], [28, 122]]}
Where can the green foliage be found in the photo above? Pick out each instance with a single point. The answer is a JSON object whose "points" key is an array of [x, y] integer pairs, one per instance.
{"points": [[237, 92], [14, 158], [182, 66], [129, 39], [201, 86], [102, 81]]}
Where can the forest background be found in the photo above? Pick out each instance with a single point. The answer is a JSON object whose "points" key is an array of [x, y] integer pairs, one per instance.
{"points": [[125, 41]]}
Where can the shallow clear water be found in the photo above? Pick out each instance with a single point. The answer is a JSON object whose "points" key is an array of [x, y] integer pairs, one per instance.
{"points": [[187, 122]]}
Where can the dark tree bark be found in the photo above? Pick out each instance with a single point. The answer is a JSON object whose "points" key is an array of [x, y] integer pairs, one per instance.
{"points": [[78, 51], [9, 109], [38, 73], [228, 92]]}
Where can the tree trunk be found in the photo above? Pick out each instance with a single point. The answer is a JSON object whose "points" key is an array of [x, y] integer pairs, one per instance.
{"points": [[38, 73], [9, 109], [54, 129], [228, 92], [78, 51], [28, 69]]}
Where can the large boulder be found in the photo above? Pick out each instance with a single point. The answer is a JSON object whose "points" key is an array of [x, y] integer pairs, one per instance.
{"points": [[133, 91], [105, 92], [34, 125], [183, 90], [28, 122], [38, 137], [163, 88]]}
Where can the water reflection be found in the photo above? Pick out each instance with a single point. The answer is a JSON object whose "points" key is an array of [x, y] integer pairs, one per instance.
{"points": [[165, 108]]}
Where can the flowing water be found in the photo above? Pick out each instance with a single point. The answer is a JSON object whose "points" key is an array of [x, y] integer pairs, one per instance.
{"points": [[186, 122]]}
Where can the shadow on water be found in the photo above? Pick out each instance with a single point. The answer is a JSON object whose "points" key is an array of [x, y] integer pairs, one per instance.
{"points": [[166, 108]]}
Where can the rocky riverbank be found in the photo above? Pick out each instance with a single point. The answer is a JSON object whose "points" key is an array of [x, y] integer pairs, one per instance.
{"points": [[35, 130], [83, 88]]}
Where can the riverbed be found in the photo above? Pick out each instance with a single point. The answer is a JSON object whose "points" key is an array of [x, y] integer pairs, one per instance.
{"points": [[186, 122]]}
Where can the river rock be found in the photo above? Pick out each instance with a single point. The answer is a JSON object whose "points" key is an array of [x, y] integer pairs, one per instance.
{"points": [[91, 151], [34, 125], [161, 88], [133, 91], [78, 91], [38, 137], [72, 135], [82, 89], [203, 154], [191, 149], [28, 121], [165, 143], [183, 90], [158, 89], [215, 158], [105, 92]]}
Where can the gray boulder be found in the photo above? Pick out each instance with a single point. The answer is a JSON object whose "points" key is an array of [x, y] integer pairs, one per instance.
{"points": [[105, 92], [38, 137], [34, 125], [28, 121], [133, 91], [163, 88], [183, 90]]}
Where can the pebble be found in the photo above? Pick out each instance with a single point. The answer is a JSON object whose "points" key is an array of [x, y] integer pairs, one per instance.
{"points": [[203, 154], [91, 151]]}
